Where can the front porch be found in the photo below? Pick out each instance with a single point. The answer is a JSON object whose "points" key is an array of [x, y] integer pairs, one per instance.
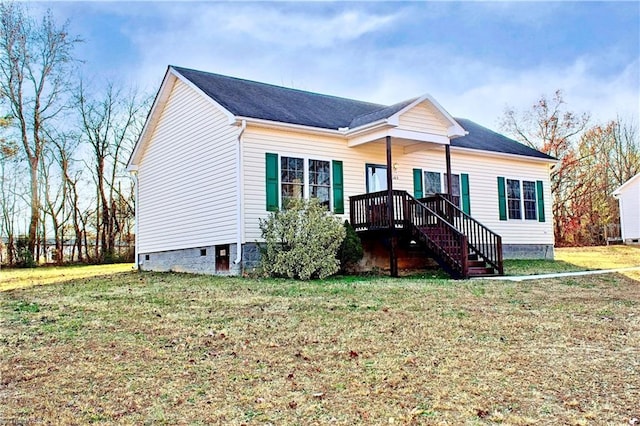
{"points": [[462, 246]]}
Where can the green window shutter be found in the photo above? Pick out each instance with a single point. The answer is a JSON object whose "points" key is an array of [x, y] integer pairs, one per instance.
{"points": [[417, 183], [338, 187], [464, 193], [272, 181], [502, 199], [540, 193]]}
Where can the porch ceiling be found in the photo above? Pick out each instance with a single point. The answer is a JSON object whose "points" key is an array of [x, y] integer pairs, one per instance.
{"points": [[408, 145], [399, 137]]}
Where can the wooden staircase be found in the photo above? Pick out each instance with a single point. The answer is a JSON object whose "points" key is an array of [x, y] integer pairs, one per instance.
{"points": [[461, 245]]}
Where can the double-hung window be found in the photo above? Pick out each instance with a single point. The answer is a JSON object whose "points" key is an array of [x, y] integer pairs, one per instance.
{"points": [[296, 177], [520, 199]]}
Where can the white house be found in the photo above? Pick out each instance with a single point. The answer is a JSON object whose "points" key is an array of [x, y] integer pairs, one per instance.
{"points": [[628, 196], [218, 153]]}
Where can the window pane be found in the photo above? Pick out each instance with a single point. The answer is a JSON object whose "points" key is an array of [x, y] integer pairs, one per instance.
{"points": [[513, 199], [322, 194], [432, 183], [455, 188], [529, 193], [319, 181], [291, 178], [376, 178], [455, 184], [319, 172]]}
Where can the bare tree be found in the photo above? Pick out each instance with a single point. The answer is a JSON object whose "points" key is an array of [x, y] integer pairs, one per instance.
{"points": [[9, 178], [35, 58], [550, 128], [109, 126]]}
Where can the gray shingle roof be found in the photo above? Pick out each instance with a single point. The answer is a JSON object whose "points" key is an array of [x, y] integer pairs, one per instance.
{"points": [[247, 98], [264, 101], [484, 139]]}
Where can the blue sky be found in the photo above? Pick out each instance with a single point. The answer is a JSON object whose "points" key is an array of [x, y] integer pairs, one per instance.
{"points": [[475, 58]]}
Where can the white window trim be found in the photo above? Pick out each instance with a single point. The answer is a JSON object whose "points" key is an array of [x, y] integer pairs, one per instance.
{"points": [[522, 210], [306, 188]]}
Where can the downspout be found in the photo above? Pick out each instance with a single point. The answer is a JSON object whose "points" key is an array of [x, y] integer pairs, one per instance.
{"points": [[240, 196], [136, 217]]}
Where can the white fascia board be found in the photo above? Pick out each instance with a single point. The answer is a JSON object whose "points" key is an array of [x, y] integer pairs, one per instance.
{"points": [[152, 118], [230, 117], [419, 136], [625, 185], [258, 122], [484, 153], [369, 136], [366, 128], [384, 131]]}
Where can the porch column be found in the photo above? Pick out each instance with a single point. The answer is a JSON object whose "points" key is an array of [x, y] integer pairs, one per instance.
{"points": [[447, 153], [393, 259]]}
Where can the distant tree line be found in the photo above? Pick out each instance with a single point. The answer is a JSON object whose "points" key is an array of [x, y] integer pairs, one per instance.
{"points": [[593, 160], [66, 196]]}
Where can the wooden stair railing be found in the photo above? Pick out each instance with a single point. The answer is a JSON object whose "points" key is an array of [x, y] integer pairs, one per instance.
{"points": [[448, 245], [483, 243]]}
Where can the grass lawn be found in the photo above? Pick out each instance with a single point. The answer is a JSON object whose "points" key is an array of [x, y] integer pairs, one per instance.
{"points": [[145, 348]]}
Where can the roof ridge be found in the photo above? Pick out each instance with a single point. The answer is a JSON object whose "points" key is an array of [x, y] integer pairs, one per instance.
{"points": [[308, 92]]}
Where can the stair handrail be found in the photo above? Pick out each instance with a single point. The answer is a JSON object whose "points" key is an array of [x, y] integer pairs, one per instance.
{"points": [[460, 265], [492, 254]]}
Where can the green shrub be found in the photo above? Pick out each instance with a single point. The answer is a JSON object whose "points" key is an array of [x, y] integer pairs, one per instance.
{"points": [[24, 257], [351, 250], [302, 241]]}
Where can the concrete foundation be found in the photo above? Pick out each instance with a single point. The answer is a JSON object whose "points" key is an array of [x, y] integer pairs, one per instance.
{"points": [[197, 260], [528, 251], [411, 258]]}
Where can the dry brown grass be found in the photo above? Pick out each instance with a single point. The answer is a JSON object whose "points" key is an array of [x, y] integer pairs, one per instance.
{"points": [[609, 257], [20, 278], [180, 349]]}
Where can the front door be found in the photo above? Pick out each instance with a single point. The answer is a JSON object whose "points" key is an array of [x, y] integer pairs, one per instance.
{"points": [[376, 177]]}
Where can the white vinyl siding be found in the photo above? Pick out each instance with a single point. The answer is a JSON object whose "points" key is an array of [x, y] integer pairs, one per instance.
{"points": [[482, 170], [258, 141], [422, 118], [187, 176]]}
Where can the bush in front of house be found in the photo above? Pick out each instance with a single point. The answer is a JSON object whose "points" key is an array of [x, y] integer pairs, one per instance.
{"points": [[301, 241], [351, 250]]}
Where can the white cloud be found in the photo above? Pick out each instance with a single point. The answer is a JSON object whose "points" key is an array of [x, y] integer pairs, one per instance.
{"points": [[303, 29], [343, 51], [584, 91]]}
